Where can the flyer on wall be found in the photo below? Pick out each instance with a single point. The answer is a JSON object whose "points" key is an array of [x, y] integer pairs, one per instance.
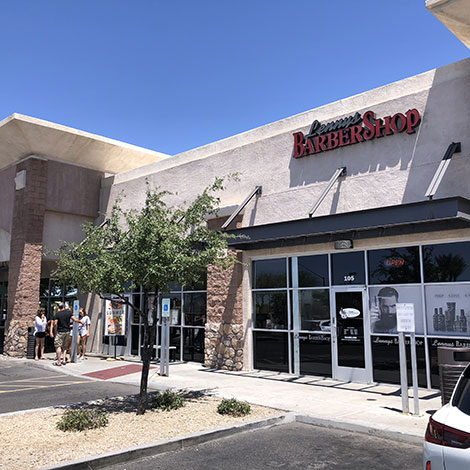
{"points": [[115, 318]]}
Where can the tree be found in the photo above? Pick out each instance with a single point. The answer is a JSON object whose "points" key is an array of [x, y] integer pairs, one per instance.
{"points": [[151, 248]]}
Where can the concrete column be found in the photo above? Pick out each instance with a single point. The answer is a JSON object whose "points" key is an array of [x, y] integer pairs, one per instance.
{"points": [[25, 255], [224, 326]]}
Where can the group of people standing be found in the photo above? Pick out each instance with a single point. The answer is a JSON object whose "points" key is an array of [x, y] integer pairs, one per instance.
{"points": [[61, 328]]}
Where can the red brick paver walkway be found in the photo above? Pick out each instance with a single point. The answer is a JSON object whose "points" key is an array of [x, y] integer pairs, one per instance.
{"points": [[114, 372]]}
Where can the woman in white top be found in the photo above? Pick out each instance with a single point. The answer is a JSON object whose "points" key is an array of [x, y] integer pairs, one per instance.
{"points": [[40, 324], [83, 332]]}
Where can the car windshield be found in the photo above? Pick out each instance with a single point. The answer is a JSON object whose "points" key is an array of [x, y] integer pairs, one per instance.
{"points": [[462, 393]]}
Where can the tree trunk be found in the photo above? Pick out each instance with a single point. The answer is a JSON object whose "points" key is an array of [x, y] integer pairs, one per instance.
{"points": [[146, 355]]}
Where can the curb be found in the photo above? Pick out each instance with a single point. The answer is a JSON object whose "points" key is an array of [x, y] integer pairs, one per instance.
{"points": [[361, 428], [178, 443]]}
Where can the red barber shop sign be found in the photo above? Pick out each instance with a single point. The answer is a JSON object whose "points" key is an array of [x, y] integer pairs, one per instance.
{"points": [[352, 130]]}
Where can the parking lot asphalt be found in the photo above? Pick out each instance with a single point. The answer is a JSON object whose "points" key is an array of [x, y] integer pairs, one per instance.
{"points": [[24, 386], [290, 446], [352, 406]]}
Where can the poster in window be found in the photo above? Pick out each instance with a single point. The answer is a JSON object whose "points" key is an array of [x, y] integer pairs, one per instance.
{"points": [[115, 321], [448, 310], [383, 308]]}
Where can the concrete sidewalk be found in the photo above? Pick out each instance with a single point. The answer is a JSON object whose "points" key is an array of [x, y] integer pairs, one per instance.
{"points": [[368, 408]]}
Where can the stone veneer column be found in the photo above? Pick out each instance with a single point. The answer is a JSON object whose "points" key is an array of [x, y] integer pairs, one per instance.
{"points": [[25, 255], [224, 325]]}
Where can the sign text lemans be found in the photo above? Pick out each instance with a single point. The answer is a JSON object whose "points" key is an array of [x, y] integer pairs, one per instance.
{"points": [[352, 130]]}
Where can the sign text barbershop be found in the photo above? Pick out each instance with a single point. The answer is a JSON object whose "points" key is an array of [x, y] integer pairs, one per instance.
{"points": [[352, 130]]}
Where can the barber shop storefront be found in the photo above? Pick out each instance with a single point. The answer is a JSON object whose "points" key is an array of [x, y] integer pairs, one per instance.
{"points": [[339, 214], [334, 314]]}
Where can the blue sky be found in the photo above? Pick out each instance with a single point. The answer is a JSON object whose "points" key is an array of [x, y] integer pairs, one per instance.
{"points": [[171, 75]]}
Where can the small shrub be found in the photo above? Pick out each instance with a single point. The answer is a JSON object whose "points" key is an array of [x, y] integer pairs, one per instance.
{"points": [[234, 407], [167, 401], [81, 420]]}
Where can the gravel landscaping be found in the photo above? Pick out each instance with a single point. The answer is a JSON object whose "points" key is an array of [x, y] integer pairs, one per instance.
{"points": [[31, 440]]}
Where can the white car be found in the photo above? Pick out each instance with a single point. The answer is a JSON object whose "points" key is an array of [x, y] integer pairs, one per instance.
{"points": [[447, 439]]}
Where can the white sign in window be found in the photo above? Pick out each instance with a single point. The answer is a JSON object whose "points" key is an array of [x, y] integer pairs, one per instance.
{"points": [[406, 318]]}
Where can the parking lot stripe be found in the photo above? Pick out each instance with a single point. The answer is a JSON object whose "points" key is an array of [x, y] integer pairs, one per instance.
{"points": [[32, 383], [33, 379], [44, 386]]}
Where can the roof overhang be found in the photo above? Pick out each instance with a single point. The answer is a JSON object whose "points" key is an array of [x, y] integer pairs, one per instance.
{"points": [[454, 15], [418, 217], [22, 136]]}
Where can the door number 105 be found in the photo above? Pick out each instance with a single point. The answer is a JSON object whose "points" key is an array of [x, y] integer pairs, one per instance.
{"points": [[349, 278]]}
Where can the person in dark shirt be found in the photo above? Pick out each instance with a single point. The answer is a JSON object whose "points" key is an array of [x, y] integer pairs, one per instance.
{"points": [[60, 327]]}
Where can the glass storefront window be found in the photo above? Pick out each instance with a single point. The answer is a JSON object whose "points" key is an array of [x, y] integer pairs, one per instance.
{"points": [[386, 360], [44, 288], [313, 271], [449, 262], [174, 286], [348, 268], [433, 345], [394, 266], [269, 274], [448, 310], [175, 343], [56, 290], [270, 310], [187, 320], [194, 309], [315, 354], [393, 277], [71, 292], [135, 315], [314, 309], [193, 344], [383, 310], [199, 284], [271, 351]]}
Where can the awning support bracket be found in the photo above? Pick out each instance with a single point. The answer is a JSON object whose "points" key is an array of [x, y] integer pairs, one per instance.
{"points": [[256, 191], [454, 147], [339, 172]]}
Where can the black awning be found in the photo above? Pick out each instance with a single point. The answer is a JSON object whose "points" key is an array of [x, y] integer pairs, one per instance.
{"points": [[417, 217]]}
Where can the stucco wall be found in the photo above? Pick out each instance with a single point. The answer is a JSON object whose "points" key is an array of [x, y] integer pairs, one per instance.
{"points": [[73, 195], [386, 171], [73, 189], [59, 227]]}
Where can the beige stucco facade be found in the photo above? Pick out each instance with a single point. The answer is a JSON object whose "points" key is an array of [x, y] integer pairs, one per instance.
{"points": [[82, 175], [391, 170]]}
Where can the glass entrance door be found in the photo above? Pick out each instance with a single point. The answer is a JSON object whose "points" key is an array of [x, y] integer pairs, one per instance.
{"points": [[351, 350]]}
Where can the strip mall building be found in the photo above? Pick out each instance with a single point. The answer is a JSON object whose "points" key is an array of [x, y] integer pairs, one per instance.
{"points": [[351, 208]]}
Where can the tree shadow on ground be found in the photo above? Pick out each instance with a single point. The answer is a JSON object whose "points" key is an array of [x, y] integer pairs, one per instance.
{"points": [[129, 403]]}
